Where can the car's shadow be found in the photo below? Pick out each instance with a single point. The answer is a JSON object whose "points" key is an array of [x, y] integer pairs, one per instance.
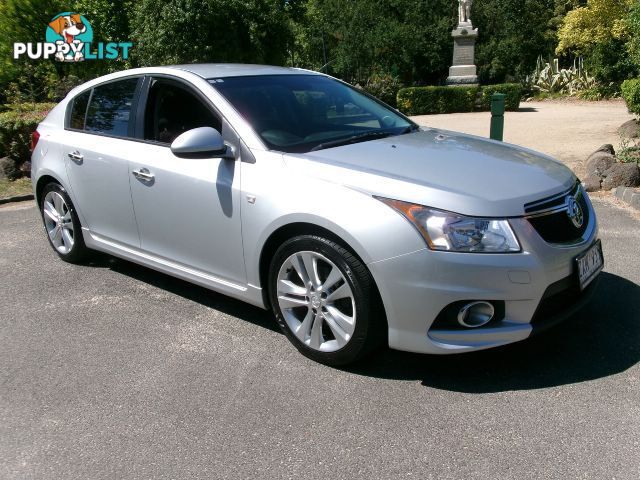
{"points": [[601, 340], [190, 291]]}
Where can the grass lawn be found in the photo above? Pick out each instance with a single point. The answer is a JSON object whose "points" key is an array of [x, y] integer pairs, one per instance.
{"points": [[22, 186]]}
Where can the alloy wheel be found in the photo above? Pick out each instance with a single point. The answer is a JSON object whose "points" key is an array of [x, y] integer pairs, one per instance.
{"points": [[58, 222], [316, 301]]}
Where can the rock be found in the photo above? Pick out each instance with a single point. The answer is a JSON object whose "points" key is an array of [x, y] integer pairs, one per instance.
{"points": [[8, 168], [599, 161], [619, 192], [607, 147], [592, 183], [25, 169], [630, 129], [621, 174], [628, 193]]}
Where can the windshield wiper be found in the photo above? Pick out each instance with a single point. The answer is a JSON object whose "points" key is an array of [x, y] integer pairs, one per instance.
{"points": [[410, 128], [361, 137]]}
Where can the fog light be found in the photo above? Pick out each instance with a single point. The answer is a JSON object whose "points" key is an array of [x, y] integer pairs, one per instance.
{"points": [[475, 314]]}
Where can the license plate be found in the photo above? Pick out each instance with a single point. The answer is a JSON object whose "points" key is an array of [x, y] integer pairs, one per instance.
{"points": [[589, 264]]}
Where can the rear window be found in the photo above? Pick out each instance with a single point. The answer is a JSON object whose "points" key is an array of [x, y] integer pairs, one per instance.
{"points": [[79, 110], [110, 108]]}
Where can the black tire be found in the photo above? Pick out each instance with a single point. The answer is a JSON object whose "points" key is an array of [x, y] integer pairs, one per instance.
{"points": [[78, 251], [370, 324]]}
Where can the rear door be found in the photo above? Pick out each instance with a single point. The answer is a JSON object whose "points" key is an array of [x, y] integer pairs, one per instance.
{"points": [[96, 149], [187, 209]]}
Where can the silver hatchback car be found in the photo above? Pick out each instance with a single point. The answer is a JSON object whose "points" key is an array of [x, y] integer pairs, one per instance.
{"points": [[291, 190]]}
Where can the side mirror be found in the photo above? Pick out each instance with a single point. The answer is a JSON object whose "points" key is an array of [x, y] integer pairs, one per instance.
{"points": [[202, 142]]}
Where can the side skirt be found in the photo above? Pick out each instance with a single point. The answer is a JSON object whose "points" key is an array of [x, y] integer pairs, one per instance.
{"points": [[247, 293]]}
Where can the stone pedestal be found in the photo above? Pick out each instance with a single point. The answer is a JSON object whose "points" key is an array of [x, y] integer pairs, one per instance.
{"points": [[463, 68]]}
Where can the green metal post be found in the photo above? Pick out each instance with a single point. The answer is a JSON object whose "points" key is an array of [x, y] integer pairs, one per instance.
{"points": [[497, 116]]}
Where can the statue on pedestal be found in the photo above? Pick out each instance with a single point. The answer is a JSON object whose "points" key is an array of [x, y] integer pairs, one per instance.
{"points": [[464, 12], [463, 68]]}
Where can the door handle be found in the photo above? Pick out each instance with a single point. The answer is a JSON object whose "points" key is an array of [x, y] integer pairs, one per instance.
{"points": [[76, 156], [143, 174]]}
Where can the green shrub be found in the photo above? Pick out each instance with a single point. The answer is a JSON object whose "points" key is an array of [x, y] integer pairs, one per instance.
{"points": [[64, 86], [27, 107], [610, 63], [16, 126], [631, 94], [426, 100], [600, 92], [633, 24], [383, 86], [548, 77], [513, 92]]}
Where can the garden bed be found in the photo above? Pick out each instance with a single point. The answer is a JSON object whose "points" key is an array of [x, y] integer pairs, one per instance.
{"points": [[15, 188]]}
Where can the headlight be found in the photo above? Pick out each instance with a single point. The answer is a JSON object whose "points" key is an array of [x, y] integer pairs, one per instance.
{"points": [[456, 233]]}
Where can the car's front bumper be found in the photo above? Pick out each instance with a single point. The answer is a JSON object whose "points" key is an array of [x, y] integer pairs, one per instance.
{"points": [[417, 286]]}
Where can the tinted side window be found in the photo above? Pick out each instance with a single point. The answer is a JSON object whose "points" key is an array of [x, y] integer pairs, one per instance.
{"points": [[172, 110], [78, 110], [110, 107]]}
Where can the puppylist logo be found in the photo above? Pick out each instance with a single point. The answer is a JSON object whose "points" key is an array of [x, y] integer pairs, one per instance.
{"points": [[69, 38]]}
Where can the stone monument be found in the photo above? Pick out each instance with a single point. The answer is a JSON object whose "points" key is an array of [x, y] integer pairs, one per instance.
{"points": [[463, 68]]}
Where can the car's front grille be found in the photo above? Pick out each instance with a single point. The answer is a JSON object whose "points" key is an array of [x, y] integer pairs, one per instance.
{"points": [[551, 217]]}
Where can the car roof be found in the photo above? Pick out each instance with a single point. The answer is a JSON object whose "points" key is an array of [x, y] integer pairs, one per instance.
{"points": [[220, 70]]}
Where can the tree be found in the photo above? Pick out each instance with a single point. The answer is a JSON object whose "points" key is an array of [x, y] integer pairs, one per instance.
{"points": [[27, 20], [410, 39], [633, 28], [25, 79], [185, 31], [599, 31], [109, 25], [512, 34], [597, 23]]}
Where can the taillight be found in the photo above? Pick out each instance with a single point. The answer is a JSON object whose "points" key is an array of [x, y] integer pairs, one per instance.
{"points": [[35, 136]]}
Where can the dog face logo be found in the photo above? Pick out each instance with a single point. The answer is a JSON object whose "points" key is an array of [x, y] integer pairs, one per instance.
{"points": [[68, 26], [73, 30]]}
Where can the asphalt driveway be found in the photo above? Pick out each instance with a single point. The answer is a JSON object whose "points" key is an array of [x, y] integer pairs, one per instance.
{"points": [[111, 370]]}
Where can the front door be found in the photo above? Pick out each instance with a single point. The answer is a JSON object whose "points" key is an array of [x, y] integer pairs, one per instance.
{"points": [[187, 210]]}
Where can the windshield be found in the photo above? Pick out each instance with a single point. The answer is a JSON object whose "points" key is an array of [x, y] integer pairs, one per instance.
{"points": [[300, 113]]}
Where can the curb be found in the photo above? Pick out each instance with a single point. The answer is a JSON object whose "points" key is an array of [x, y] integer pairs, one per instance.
{"points": [[17, 198], [629, 195]]}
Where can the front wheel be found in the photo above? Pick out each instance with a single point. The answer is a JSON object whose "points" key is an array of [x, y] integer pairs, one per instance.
{"points": [[325, 300], [62, 224]]}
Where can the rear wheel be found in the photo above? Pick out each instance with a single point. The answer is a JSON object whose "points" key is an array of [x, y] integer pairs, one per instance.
{"points": [[324, 300], [62, 224]]}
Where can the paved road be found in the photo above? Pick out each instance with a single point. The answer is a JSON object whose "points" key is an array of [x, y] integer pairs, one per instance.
{"points": [[113, 371], [568, 130]]}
